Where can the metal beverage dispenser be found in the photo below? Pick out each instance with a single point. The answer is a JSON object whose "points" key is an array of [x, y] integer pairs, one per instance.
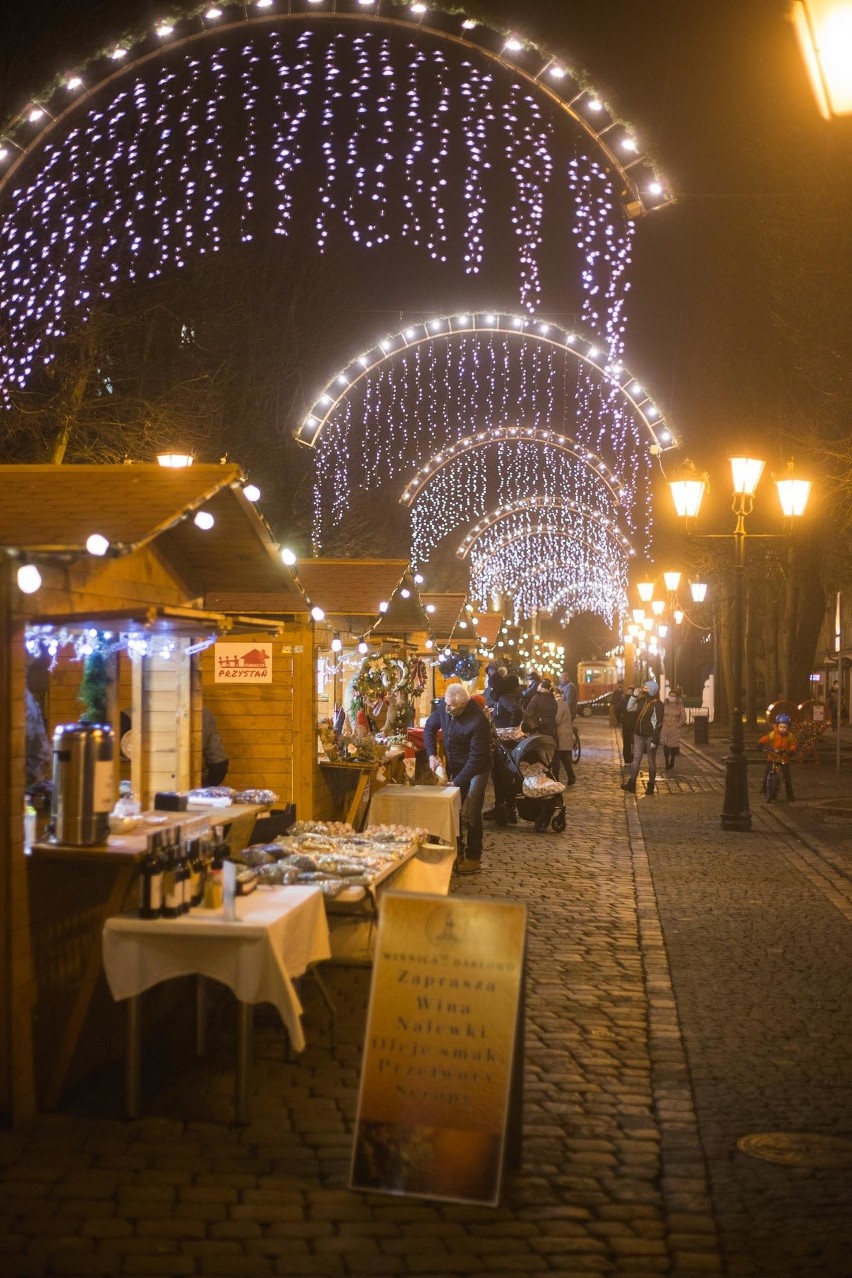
{"points": [[82, 783]]}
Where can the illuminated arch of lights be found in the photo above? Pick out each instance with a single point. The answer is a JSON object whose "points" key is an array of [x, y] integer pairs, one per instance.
{"points": [[587, 351], [541, 568], [510, 434], [561, 576], [462, 492], [419, 394], [199, 136], [541, 509]]}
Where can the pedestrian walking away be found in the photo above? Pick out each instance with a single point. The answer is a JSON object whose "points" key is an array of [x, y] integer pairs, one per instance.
{"points": [[674, 715], [569, 693], [467, 747], [629, 711], [646, 738], [564, 741]]}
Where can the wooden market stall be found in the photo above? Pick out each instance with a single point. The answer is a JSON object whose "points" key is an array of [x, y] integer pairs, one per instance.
{"points": [[141, 589]]}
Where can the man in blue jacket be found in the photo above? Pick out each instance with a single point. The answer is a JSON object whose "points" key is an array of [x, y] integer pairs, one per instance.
{"points": [[467, 747]]}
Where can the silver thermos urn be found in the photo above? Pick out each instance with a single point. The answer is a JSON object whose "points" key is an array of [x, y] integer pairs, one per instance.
{"points": [[82, 783]]}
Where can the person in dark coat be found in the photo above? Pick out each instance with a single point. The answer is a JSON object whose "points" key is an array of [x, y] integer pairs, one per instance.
{"points": [[646, 736], [527, 693], [494, 684], [540, 710], [508, 711], [629, 711], [467, 747]]}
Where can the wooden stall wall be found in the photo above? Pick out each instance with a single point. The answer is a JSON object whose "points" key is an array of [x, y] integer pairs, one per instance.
{"points": [[268, 729], [17, 985], [45, 930]]}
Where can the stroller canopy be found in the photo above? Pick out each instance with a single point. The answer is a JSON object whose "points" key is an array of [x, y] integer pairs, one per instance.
{"points": [[534, 749]]}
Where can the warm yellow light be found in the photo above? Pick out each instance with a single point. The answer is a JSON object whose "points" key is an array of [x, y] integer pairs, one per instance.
{"points": [[175, 461], [672, 580], [678, 616], [645, 590], [688, 494], [662, 630], [698, 589], [745, 475], [793, 493], [658, 607], [824, 30], [638, 615]]}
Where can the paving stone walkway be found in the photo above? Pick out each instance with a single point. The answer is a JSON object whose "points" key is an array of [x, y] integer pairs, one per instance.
{"points": [[685, 988]]}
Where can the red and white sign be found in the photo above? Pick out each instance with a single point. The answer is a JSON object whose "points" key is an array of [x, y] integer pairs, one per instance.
{"points": [[243, 662]]}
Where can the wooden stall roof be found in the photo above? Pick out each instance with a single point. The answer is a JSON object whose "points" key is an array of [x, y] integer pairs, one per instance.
{"points": [[351, 587], [447, 613], [488, 627], [237, 555], [49, 508], [52, 510], [406, 614]]}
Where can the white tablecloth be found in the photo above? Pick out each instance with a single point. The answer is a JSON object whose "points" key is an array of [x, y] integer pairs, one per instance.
{"points": [[279, 932], [436, 808]]}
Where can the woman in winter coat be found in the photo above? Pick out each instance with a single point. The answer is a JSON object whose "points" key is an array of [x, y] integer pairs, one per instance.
{"points": [[674, 716], [564, 741], [540, 710], [508, 711]]}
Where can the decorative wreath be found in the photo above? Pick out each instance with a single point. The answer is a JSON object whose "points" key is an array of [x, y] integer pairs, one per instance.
{"points": [[417, 676], [378, 676]]}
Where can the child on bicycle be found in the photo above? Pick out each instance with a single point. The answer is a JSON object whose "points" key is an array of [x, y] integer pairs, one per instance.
{"points": [[780, 741]]}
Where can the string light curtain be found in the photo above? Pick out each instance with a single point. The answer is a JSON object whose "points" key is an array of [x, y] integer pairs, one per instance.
{"points": [[369, 136]]}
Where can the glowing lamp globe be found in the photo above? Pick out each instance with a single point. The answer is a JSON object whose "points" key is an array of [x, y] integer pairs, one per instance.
{"points": [[793, 494], [745, 475], [824, 31]]}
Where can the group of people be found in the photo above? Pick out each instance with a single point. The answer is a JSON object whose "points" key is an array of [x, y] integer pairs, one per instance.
{"points": [[468, 727], [647, 723]]}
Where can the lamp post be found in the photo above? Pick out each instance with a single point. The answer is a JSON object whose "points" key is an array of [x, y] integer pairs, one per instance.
{"points": [[687, 493], [824, 30]]}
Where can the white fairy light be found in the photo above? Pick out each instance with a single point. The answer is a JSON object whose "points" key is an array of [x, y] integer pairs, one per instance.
{"points": [[317, 614], [97, 544], [288, 556], [28, 578], [251, 492], [204, 520]]}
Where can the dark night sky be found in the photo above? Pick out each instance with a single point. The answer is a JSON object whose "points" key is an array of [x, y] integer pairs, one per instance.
{"points": [[719, 94]]}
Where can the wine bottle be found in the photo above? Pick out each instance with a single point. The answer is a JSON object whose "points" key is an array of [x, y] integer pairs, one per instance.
{"points": [[151, 881], [183, 872], [172, 885]]}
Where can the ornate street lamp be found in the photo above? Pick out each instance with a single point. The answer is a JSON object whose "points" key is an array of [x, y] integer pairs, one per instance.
{"points": [[793, 494], [824, 30]]}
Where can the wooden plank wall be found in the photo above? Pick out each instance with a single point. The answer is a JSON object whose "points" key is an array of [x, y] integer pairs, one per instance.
{"points": [[268, 730], [17, 983]]}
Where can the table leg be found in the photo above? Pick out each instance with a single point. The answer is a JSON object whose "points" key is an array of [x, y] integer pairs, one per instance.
{"points": [[85, 990], [200, 1016], [355, 805], [132, 1068], [328, 1000], [245, 1013]]}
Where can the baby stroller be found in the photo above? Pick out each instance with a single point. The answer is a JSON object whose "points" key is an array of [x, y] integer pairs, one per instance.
{"points": [[549, 810]]}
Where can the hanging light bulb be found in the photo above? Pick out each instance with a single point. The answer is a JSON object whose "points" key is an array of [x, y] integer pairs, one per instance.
{"points": [[29, 579], [252, 492], [363, 648], [97, 544], [204, 520], [336, 644], [288, 557]]}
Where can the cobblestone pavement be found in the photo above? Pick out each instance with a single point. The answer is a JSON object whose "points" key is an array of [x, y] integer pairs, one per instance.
{"points": [[685, 989]]}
